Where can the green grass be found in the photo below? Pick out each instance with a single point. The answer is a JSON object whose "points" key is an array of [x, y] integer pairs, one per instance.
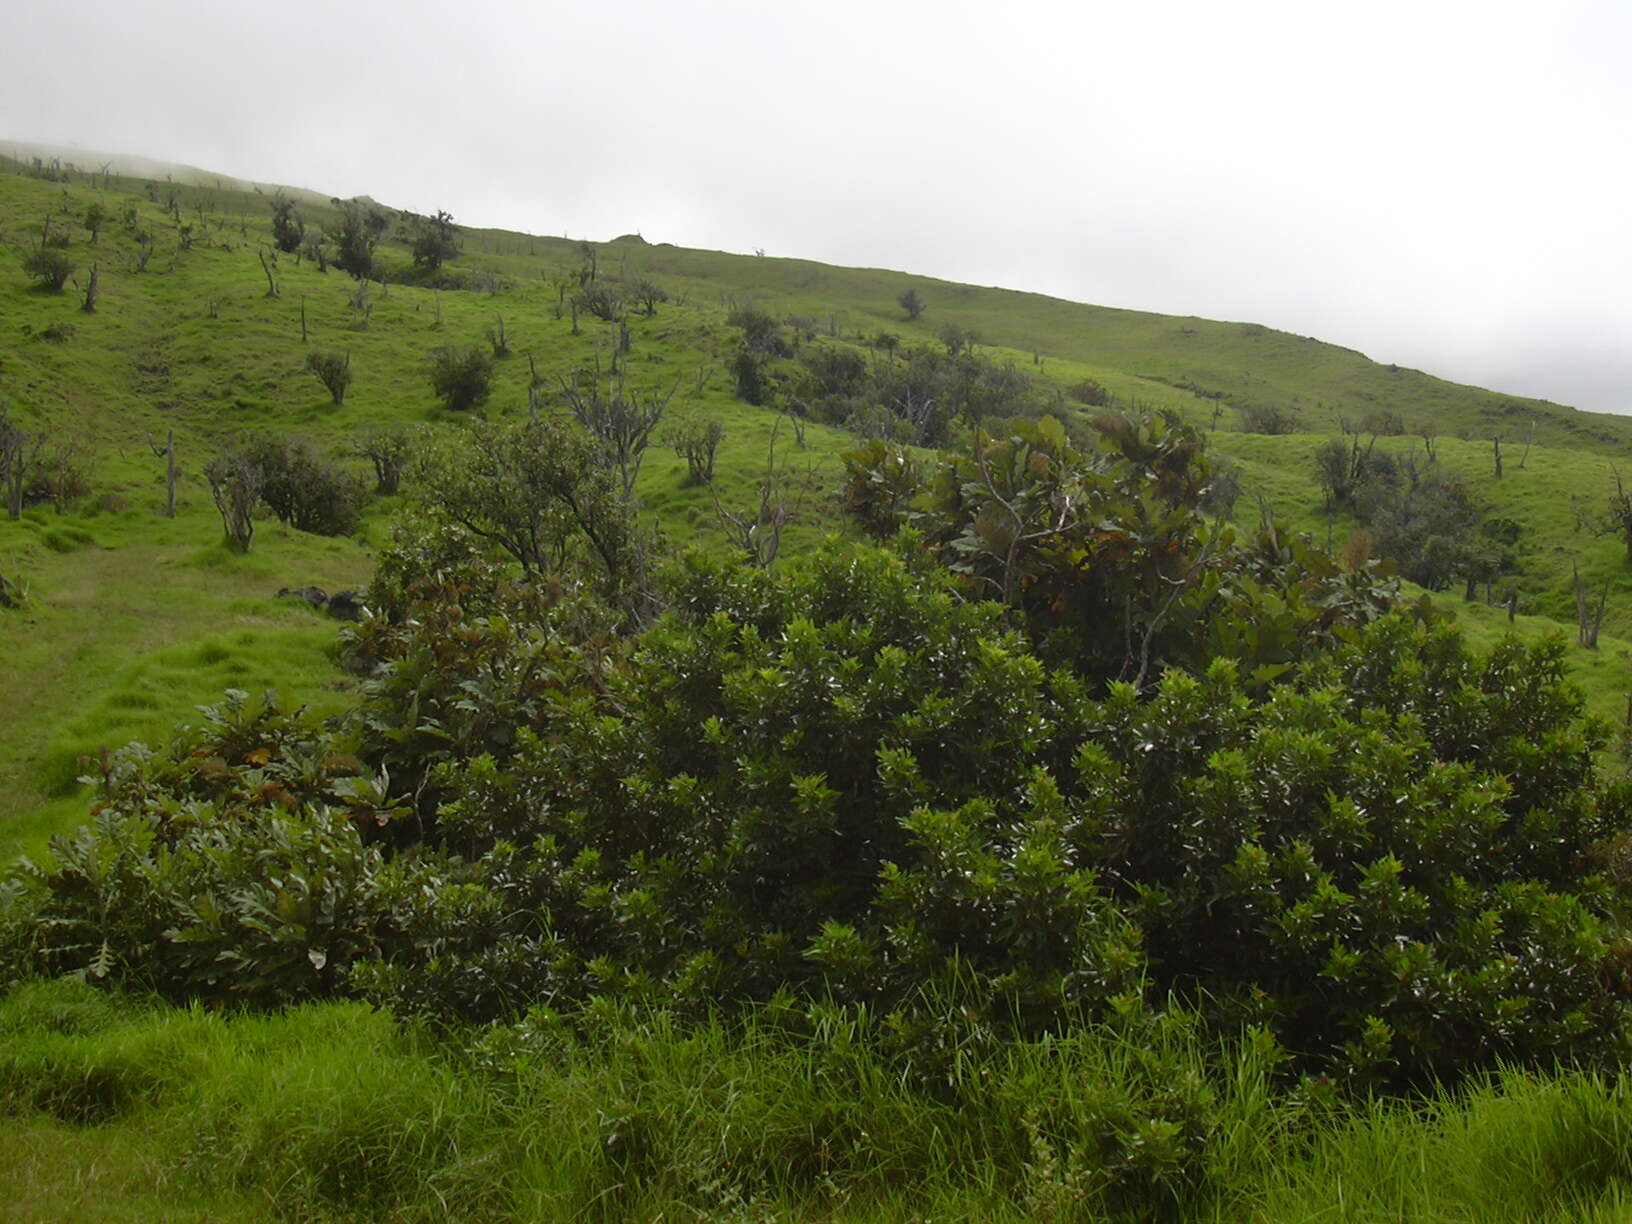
{"points": [[334, 1112]]}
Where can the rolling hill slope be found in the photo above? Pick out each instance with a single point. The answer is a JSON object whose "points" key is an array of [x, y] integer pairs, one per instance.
{"points": [[202, 330]]}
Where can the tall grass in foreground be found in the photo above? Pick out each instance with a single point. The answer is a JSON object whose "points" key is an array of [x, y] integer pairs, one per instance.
{"points": [[337, 1112]]}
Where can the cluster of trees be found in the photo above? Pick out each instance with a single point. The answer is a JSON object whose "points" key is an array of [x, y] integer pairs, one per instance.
{"points": [[855, 782], [1417, 514], [301, 486], [920, 396]]}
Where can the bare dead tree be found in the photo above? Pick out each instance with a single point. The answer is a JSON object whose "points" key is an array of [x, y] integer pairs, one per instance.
{"points": [[757, 532], [167, 452], [271, 284], [1587, 621], [620, 420], [89, 306], [20, 452]]}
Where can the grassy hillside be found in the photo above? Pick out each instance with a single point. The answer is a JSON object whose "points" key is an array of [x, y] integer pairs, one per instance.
{"points": [[120, 1108], [133, 619]]}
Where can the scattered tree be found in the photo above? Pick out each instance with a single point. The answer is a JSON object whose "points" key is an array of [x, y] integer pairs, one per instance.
{"points": [[288, 227], [354, 239], [20, 452], [235, 484], [911, 303], [167, 452], [435, 240], [389, 449], [620, 420], [539, 491], [331, 369], [696, 439], [304, 489], [49, 267], [462, 377], [96, 217]]}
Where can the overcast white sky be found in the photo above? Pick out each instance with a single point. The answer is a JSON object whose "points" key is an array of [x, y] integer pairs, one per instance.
{"points": [[1436, 183]]}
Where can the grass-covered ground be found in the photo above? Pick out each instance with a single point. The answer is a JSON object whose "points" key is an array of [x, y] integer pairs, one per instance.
{"points": [[120, 1111]]}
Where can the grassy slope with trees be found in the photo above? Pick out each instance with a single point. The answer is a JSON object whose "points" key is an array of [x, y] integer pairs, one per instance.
{"points": [[131, 620]]}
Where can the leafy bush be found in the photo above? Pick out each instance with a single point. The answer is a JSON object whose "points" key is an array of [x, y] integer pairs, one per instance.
{"points": [[305, 490], [844, 782], [1089, 391], [229, 866], [49, 267], [845, 785], [333, 370], [462, 377]]}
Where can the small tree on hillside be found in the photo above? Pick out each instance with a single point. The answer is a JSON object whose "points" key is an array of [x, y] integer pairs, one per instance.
{"points": [[619, 419], [95, 218], [436, 240], [288, 230], [537, 490], [911, 303], [333, 370], [20, 452], [462, 377], [389, 449], [696, 440], [235, 484], [49, 267], [359, 231], [1620, 514]]}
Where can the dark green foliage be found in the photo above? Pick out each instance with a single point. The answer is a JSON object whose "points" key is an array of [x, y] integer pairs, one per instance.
{"points": [[761, 333], [333, 370], [49, 268], [1109, 555], [844, 781], [96, 219], [1167, 764], [912, 303], [917, 400], [1268, 418], [288, 230], [881, 482], [435, 240], [304, 489], [748, 370], [539, 490], [462, 378], [354, 239], [1090, 392], [227, 867]]}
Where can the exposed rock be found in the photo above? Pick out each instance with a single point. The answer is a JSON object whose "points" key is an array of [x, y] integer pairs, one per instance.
{"points": [[345, 605]]}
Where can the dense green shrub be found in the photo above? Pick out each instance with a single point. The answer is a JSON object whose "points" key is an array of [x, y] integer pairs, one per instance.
{"points": [[333, 370], [49, 268], [305, 490], [229, 866], [462, 378], [847, 784]]}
